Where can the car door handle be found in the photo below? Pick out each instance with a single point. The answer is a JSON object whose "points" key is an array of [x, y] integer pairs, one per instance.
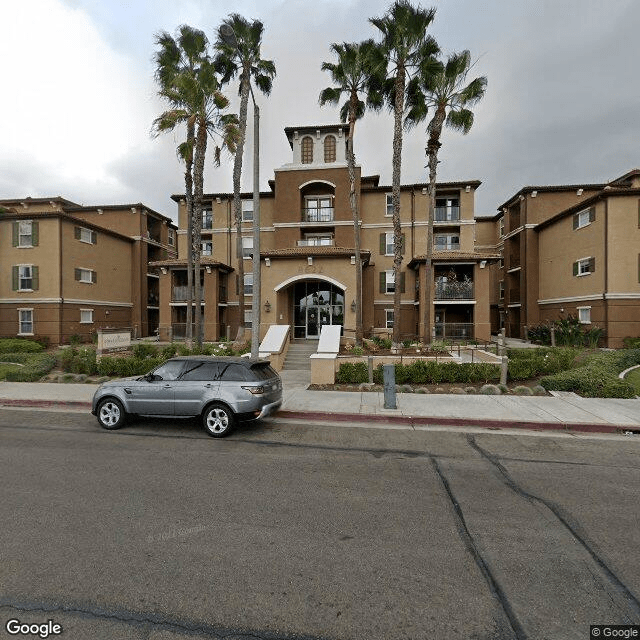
{"points": [[208, 386], [167, 386]]}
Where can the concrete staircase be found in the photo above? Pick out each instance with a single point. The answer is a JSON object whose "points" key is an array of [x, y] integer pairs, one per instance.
{"points": [[298, 355]]}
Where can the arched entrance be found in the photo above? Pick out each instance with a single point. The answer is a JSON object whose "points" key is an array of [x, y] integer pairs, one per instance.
{"points": [[316, 303]]}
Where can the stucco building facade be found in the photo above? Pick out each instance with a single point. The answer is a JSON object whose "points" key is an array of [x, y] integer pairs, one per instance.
{"points": [[308, 270]]}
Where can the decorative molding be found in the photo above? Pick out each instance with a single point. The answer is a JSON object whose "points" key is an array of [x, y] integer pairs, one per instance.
{"points": [[595, 296], [309, 276]]}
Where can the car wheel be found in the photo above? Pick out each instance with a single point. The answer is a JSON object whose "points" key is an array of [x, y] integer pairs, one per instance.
{"points": [[111, 414], [218, 420]]}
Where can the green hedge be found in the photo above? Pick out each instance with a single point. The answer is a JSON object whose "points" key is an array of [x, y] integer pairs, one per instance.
{"points": [[37, 366], [19, 345], [126, 367], [530, 363], [421, 372], [598, 376]]}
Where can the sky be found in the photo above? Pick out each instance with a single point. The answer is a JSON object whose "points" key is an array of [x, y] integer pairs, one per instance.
{"points": [[79, 98]]}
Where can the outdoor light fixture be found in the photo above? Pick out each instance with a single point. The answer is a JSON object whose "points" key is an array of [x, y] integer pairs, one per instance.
{"points": [[309, 260], [353, 306], [267, 306]]}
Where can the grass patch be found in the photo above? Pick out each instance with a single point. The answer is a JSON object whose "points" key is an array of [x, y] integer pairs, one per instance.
{"points": [[633, 378]]}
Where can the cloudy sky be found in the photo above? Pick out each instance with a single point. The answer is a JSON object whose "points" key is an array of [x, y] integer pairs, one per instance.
{"points": [[562, 104]]}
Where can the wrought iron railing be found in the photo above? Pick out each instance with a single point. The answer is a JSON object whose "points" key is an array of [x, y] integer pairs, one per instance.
{"points": [[317, 214], [447, 246], [456, 330], [454, 291], [181, 293], [446, 214]]}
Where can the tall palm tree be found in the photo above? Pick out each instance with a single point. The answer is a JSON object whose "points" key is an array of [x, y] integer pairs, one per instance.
{"points": [[447, 93], [240, 54], [405, 47], [351, 76], [187, 80], [177, 61]]}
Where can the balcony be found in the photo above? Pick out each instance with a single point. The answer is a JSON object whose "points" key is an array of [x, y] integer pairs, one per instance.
{"points": [[453, 330], [316, 243], [454, 291], [447, 246], [153, 299], [317, 214], [222, 293], [181, 293], [446, 214]]}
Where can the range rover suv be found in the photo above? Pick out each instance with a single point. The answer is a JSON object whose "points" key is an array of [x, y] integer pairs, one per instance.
{"points": [[222, 390]]}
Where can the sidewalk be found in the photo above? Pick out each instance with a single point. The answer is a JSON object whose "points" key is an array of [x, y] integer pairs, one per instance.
{"points": [[566, 411]]}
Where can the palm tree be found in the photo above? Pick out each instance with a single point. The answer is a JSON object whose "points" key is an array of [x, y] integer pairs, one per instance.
{"points": [[404, 48], [444, 90], [187, 80], [177, 61], [351, 76], [238, 46]]}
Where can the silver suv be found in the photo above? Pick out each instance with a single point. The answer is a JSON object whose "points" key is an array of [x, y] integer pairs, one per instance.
{"points": [[222, 390]]}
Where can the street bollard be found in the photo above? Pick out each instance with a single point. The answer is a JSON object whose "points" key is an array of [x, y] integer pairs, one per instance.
{"points": [[501, 341], [504, 368], [389, 377], [553, 336], [370, 367]]}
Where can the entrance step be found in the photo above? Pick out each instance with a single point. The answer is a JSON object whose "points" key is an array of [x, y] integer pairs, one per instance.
{"points": [[298, 356]]}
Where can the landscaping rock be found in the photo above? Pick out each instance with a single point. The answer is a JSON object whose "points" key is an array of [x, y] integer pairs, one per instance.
{"points": [[366, 386], [422, 390], [81, 377], [406, 388], [439, 390], [490, 390], [503, 388], [470, 390], [457, 390], [522, 390], [539, 390]]}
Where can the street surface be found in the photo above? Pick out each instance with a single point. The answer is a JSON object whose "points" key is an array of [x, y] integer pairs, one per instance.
{"points": [[307, 531]]}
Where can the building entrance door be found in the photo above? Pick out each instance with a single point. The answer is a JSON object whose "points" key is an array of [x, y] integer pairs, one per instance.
{"points": [[316, 304]]}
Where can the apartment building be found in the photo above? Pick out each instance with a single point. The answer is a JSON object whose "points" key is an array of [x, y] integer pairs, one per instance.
{"points": [[69, 270], [308, 268], [567, 250]]}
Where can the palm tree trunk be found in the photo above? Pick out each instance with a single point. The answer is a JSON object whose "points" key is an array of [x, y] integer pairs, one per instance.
{"points": [[351, 163], [435, 130], [237, 203], [397, 230], [198, 179], [188, 181]]}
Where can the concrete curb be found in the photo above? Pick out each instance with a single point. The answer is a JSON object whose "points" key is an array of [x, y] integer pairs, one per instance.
{"points": [[380, 419], [459, 422]]}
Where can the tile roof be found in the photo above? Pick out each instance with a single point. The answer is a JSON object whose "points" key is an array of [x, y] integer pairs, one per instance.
{"points": [[303, 252], [182, 262], [456, 255]]}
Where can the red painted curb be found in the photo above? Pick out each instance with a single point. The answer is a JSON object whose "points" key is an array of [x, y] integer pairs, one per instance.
{"points": [[71, 404], [459, 422]]}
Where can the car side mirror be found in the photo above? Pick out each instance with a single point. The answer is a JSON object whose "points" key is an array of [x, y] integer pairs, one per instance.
{"points": [[150, 377]]}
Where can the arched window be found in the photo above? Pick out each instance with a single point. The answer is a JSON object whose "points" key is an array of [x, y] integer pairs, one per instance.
{"points": [[330, 149], [307, 150]]}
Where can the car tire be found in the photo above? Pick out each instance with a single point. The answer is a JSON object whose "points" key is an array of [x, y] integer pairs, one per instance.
{"points": [[111, 414], [218, 420]]}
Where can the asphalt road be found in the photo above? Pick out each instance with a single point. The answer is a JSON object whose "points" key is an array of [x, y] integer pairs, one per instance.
{"points": [[290, 530]]}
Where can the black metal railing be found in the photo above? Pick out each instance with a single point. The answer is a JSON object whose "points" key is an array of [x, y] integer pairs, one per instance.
{"points": [[317, 214], [446, 214], [456, 330], [454, 291]]}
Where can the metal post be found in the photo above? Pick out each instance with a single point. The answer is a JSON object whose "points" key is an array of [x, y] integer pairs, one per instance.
{"points": [[504, 369], [553, 336], [370, 367], [389, 376], [255, 315]]}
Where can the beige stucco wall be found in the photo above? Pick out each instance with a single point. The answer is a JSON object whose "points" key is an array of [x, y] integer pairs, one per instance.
{"points": [[624, 245]]}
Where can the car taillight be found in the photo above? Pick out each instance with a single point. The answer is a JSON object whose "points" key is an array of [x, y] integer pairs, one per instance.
{"points": [[254, 390]]}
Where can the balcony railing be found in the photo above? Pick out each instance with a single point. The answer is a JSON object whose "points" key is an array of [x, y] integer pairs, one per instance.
{"points": [[449, 246], [317, 214], [454, 291], [181, 294], [447, 214], [222, 293], [153, 300], [315, 243], [455, 330]]}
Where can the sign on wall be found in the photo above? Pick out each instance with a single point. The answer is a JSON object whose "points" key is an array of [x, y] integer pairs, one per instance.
{"points": [[111, 340]]}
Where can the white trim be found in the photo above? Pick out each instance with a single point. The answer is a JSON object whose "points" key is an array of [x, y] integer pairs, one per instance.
{"points": [[105, 303], [383, 225], [309, 276], [578, 309], [302, 225], [512, 233], [31, 333], [515, 305], [514, 269], [595, 296], [314, 165], [448, 302], [153, 275], [387, 301], [304, 184], [621, 296], [184, 304], [86, 321], [439, 263], [32, 300]]}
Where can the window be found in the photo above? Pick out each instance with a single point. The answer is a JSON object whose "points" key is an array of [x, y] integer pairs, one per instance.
{"points": [[501, 263], [584, 267], [388, 244], [85, 235], [501, 289], [446, 242], [447, 209], [306, 148], [235, 373], [201, 371], [207, 219], [584, 218], [389, 204], [25, 322], [248, 319], [25, 278], [248, 284], [388, 318], [247, 211], [501, 226], [25, 237], [584, 315], [170, 370], [318, 209], [86, 275], [330, 149], [86, 316], [207, 248], [312, 240], [172, 237], [390, 282], [247, 247]]}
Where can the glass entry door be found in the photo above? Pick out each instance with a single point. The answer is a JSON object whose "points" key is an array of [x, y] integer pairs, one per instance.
{"points": [[316, 304]]}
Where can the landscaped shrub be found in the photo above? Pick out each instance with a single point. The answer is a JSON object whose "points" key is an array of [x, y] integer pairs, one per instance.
{"points": [[38, 366], [631, 343], [431, 372], [529, 363], [144, 350], [19, 345], [540, 334], [169, 351], [352, 373], [598, 376], [78, 360], [127, 367]]}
